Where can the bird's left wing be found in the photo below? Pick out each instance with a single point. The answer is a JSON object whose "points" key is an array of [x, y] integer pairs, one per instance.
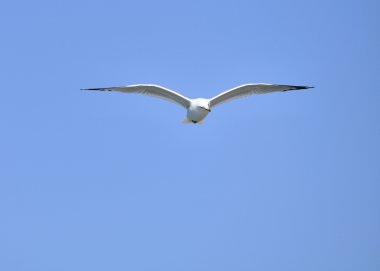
{"points": [[151, 90], [250, 89]]}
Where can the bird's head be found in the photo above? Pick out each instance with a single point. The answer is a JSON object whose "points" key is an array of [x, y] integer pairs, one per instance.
{"points": [[203, 104]]}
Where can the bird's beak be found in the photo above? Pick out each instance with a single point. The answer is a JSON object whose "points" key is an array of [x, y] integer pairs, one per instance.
{"points": [[208, 109]]}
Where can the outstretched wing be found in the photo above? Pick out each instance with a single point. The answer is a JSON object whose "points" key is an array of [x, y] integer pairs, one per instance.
{"points": [[249, 89], [151, 90]]}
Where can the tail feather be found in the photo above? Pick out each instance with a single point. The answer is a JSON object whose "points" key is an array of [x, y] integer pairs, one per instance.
{"points": [[187, 121]]}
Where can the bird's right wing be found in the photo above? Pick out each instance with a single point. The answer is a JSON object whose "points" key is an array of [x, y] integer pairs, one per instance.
{"points": [[249, 89], [151, 90]]}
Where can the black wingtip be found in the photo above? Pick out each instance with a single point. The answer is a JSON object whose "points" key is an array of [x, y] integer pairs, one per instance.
{"points": [[100, 89], [297, 87]]}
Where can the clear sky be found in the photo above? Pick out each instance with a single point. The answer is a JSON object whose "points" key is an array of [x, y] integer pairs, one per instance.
{"points": [[110, 181]]}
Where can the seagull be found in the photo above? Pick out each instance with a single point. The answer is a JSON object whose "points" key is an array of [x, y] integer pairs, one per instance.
{"points": [[198, 109]]}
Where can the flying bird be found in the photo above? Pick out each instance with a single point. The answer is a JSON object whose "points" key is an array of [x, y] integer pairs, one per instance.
{"points": [[198, 109]]}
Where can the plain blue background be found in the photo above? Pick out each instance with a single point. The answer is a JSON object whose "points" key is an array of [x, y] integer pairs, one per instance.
{"points": [[109, 181]]}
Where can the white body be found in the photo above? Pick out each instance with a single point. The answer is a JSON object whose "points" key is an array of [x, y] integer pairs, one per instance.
{"points": [[198, 109]]}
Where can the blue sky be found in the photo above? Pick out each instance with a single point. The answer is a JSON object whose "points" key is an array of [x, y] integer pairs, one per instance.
{"points": [[106, 181]]}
